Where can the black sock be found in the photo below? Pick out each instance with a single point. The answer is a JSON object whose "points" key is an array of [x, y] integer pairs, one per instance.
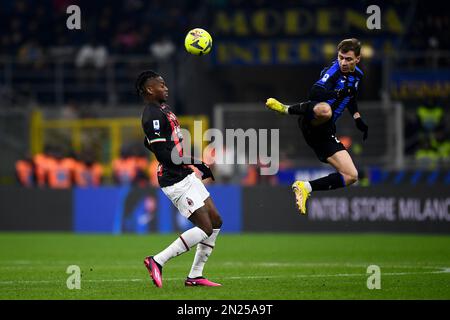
{"points": [[331, 181], [301, 108]]}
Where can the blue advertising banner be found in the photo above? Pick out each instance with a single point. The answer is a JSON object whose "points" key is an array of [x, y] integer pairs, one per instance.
{"points": [[288, 176], [144, 210], [99, 209]]}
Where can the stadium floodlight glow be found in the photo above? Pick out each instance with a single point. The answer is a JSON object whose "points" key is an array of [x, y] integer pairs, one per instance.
{"points": [[367, 51]]}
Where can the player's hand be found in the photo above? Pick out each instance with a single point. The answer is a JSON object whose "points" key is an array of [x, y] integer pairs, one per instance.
{"points": [[346, 92], [362, 127], [277, 106], [205, 169]]}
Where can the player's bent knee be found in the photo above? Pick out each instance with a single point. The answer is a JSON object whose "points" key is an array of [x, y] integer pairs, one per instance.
{"points": [[323, 111], [352, 178], [349, 177]]}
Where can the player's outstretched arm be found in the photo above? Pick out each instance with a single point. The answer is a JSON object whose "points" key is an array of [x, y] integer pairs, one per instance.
{"points": [[360, 124]]}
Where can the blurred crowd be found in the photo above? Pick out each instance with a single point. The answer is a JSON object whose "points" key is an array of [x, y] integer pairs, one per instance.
{"points": [[429, 30], [31, 29], [35, 30], [58, 169], [54, 168], [35, 35]]}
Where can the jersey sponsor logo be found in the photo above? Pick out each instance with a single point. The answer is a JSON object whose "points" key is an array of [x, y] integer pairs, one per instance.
{"points": [[156, 124]]}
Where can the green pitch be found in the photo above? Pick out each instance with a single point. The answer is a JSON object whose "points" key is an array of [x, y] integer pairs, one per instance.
{"points": [[250, 266]]}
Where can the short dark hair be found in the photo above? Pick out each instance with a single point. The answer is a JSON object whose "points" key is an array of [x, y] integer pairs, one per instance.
{"points": [[142, 78], [352, 44]]}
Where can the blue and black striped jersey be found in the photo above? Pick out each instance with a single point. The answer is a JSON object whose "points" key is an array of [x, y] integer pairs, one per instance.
{"points": [[332, 79]]}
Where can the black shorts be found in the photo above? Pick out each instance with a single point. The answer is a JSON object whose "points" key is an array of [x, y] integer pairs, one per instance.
{"points": [[321, 138]]}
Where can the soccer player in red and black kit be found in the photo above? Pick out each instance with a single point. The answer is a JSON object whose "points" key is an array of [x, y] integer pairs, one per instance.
{"points": [[335, 91], [178, 182]]}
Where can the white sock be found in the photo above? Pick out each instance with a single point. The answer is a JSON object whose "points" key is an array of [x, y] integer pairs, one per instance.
{"points": [[202, 254], [185, 241], [308, 186]]}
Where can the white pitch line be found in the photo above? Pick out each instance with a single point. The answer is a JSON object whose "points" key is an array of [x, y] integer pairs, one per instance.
{"points": [[326, 264], [43, 263], [443, 270]]}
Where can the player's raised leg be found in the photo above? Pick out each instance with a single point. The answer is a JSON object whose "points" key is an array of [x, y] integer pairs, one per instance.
{"points": [[298, 109]]}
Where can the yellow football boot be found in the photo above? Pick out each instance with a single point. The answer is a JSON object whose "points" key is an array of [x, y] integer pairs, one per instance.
{"points": [[301, 195], [277, 106]]}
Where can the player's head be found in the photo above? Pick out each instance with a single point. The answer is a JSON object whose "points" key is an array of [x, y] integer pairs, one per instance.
{"points": [[349, 54], [152, 87]]}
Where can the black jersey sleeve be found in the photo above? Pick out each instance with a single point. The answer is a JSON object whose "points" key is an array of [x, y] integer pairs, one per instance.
{"points": [[162, 151]]}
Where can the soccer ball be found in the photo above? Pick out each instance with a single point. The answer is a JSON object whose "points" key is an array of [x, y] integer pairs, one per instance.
{"points": [[198, 42]]}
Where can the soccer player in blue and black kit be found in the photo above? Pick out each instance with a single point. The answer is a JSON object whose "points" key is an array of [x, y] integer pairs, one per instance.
{"points": [[336, 90]]}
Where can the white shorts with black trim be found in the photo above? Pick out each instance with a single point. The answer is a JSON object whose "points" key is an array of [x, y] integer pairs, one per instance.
{"points": [[187, 195]]}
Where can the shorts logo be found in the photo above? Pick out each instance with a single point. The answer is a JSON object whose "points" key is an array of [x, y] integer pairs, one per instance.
{"points": [[189, 201], [156, 124], [337, 140]]}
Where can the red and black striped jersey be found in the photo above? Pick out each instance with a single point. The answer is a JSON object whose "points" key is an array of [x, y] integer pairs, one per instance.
{"points": [[163, 135]]}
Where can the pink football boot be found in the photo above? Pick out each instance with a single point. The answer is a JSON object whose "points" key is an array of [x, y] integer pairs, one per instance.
{"points": [[155, 271], [200, 281]]}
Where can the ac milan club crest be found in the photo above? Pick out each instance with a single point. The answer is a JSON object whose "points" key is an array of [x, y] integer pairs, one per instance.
{"points": [[189, 201]]}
